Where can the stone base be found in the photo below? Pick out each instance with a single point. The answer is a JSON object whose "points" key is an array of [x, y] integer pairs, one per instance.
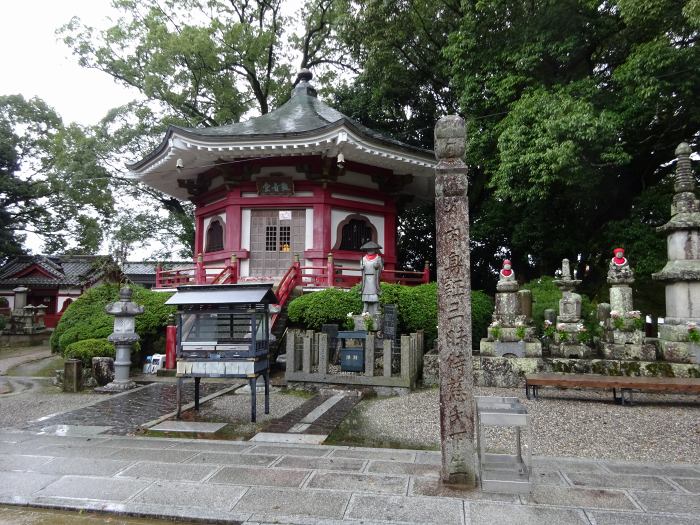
{"points": [[24, 339], [679, 352], [674, 332], [510, 373], [360, 322], [628, 352], [516, 348], [571, 350], [114, 387], [431, 366], [509, 334], [624, 337]]}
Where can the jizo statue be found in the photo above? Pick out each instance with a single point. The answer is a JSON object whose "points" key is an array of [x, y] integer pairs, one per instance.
{"points": [[372, 266]]}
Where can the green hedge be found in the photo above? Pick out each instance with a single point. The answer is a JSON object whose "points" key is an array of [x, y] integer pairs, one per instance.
{"points": [[327, 306], [86, 318], [417, 307], [545, 294], [86, 349]]}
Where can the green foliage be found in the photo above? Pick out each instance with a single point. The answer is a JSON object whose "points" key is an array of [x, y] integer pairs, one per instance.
{"points": [[61, 188], [327, 306], [86, 318], [417, 308], [482, 311], [3, 322], [86, 349], [545, 295]]}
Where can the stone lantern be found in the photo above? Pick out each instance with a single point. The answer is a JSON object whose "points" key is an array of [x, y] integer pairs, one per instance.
{"points": [[123, 337]]}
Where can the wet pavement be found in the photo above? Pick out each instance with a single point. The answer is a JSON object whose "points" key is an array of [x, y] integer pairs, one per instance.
{"points": [[245, 482], [125, 413]]}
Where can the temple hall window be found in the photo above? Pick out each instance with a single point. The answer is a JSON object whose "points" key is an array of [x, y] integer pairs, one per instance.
{"points": [[355, 232], [270, 238], [215, 237]]}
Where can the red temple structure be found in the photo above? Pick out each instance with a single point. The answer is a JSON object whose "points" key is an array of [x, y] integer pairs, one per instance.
{"points": [[290, 196]]}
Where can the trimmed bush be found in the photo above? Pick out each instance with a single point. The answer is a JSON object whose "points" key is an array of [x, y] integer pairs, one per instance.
{"points": [[86, 318], [482, 313], [86, 349], [327, 306], [417, 307]]}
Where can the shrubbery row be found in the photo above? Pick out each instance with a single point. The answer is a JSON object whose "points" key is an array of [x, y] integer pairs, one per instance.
{"points": [[417, 306]]}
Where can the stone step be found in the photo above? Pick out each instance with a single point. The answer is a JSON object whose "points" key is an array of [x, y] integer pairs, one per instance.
{"points": [[313, 421]]}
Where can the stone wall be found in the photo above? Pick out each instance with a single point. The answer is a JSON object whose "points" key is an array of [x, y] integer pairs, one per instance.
{"points": [[510, 372]]}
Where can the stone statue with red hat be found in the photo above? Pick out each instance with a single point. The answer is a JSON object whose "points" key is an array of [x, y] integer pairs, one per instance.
{"points": [[372, 266], [619, 271], [506, 278]]}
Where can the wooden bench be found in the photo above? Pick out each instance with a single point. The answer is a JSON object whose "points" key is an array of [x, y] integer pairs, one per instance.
{"points": [[626, 384]]}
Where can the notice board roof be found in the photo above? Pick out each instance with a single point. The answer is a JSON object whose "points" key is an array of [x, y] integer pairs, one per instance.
{"points": [[223, 294]]}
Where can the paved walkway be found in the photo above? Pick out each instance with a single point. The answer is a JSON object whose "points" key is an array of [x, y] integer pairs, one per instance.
{"points": [[240, 482]]}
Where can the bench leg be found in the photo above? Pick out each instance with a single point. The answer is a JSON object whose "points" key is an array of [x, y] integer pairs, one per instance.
{"points": [[617, 400], [527, 391]]}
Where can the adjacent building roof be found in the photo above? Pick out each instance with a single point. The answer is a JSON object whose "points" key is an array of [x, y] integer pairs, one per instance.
{"points": [[302, 126], [74, 270], [223, 294]]}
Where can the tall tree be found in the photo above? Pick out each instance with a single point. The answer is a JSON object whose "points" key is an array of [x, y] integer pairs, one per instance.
{"points": [[573, 108], [51, 184], [581, 101], [198, 63]]}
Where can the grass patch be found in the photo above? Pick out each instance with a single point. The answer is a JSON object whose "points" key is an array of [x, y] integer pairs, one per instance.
{"points": [[41, 368], [303, 394], [351, 432]]}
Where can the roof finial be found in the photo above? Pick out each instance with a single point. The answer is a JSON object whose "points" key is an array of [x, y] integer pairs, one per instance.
{"points": [[302, 84], [305, 75]]}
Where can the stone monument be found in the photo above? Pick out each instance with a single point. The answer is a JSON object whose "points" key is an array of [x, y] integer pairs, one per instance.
{"points": [[25, 319], [570, 333], [623, 337], [123, 337], [372, 266], [682, 271], [454, 341], [511, 333]]}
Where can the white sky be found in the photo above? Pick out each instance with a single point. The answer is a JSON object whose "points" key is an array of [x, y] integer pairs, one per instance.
{"points": [[34, 62]]}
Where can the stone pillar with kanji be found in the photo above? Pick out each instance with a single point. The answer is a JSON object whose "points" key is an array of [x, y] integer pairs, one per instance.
{"points": [[454, 340]]}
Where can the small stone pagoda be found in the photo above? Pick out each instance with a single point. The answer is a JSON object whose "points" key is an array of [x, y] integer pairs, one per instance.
{"points": [[570, 334], [682, 271], [623, 337], [511, 333]]}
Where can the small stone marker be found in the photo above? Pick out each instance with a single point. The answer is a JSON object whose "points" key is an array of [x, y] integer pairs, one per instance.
{"points": [[454, 304]]}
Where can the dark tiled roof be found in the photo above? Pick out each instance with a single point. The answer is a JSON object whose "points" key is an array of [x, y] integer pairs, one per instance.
{"points": [[74, 270], [302, 113]]}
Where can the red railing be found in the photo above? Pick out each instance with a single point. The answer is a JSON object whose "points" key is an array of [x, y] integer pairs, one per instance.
{"points": [[326, 276], [198, 274]]}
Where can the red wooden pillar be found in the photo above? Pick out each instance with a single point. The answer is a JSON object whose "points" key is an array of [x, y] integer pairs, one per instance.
{"points": [[198, 234], [159, 283], [330, 271], [200, 273], [170, 344], [233, 227], [233, 271], [426, 273]]}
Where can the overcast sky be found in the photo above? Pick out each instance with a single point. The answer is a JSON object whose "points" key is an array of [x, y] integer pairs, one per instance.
{"points": [[34, 62]]}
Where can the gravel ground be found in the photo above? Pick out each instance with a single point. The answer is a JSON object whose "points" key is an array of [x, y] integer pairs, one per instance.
{"points": [[235, 409], [39, 399], [573, 423]]}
